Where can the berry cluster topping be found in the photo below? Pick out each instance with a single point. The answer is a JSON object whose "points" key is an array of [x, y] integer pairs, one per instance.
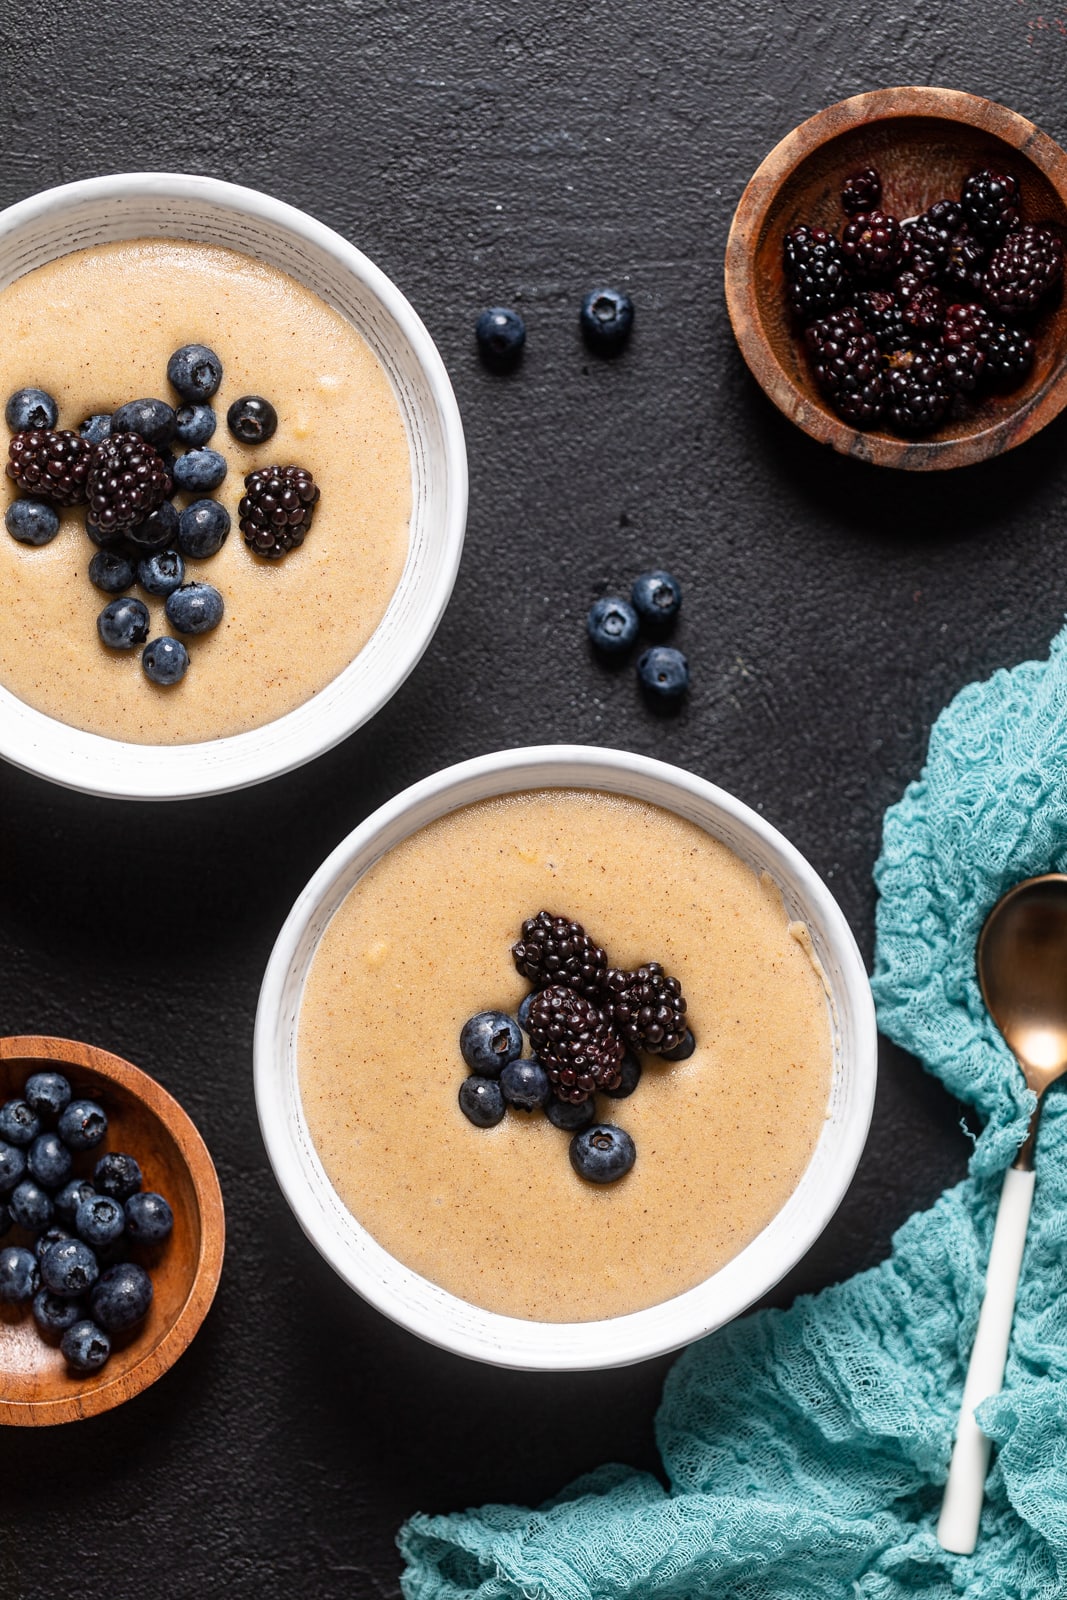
{"points": [[126, 482], [553, 951], [647, 1007], [276, 510], [908, 324], [50, 465], [576, 1045]]}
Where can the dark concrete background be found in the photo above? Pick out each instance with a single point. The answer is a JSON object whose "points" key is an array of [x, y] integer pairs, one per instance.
{"points": [[485, 154]]}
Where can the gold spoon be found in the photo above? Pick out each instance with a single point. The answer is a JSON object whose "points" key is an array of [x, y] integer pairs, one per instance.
{"points": [[1022, 970]]}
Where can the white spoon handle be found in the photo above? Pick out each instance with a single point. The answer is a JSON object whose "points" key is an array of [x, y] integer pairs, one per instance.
{"points": [[961, 1509]]}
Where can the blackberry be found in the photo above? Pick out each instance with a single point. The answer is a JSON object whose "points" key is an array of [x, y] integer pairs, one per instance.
{"points": [[991, 203], [1009, 356], [883, 316], [961, 271], [127, 482], [646, 1007], [554, 951], [849, 371], [929, 237], [862, 191], [276, 510], [922, 307], [917, 391], [815, 268], [50, 465], [967, 328], [576, 1045], [1022, 270], [872, 245]]}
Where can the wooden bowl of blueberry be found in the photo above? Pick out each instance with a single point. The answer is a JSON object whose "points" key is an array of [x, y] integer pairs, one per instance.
{"points": [[111, 1231], [894, 276]]}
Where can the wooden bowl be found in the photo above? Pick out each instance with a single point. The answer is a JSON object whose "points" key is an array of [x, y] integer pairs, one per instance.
{"points": [[924, 142], [36, 1386]]}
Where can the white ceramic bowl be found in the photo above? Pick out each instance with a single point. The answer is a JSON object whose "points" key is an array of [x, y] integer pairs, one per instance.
{"points": [[420, 1305], [167, 205]]}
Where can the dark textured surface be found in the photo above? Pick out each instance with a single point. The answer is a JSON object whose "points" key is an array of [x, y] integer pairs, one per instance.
{"points": [[482, 155]]}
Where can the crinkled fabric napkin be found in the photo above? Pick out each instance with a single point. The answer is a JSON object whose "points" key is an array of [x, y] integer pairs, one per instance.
{"points": [[806, 1449]]}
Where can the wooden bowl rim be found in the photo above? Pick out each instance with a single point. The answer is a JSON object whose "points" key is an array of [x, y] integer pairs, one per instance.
{"points": [[152, 1365], [881, 105]]}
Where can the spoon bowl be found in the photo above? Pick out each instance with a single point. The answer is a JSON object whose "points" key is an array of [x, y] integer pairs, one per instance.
{"points": [[1022, 970]]}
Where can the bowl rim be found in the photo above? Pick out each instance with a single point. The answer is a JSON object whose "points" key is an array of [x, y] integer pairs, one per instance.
{"points": [[116, 769], [411, 1300], [155, 1362], [879, 105]]}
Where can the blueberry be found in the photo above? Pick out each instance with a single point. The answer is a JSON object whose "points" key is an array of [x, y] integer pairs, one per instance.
{"points": [[54, 1314], [69, 1268], [501, 334], [30, 1206], [47, 1093], [52, 1235], [12, 1166], [481, 1101], [30, 408], [122, 1296], [165, 661], [602, 1153], [100, 1220], [570, 1117], [110, 571], [70, 1198], [20, 1276], [96, 428], [195, 371], [149, 1218], [199, 471], [524, 1010], [195, 424], [157, 531], [629, 1077], [252, 419], [525, 1084], [663, 672], [656, 597], [19, 1123], [31, 521], [161, 573], [195, 608], [607, 316], [202, 529], [85, 1346], [117, 1175], [6, 1219], [123, 623], [48, 1160], [82, 1125], [154, 420], [683, 1050], [612, 625], [489, 1041]]}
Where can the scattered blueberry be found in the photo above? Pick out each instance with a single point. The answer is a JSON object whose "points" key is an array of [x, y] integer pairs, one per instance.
{"points": [[19, 1123], [100, 1220], [123, 623], [20, 1276], [154, 420], [501, 335], [149, 1218], [202, 529], [96, 428], [489, 1041], [30, 408], [110, 571], [165, 661], [48, 1160], [85, 1346], [481, 1101], [117, 1175], [195, 608], [199, 471], [82, 1125], [525, 1084], [663, 672], [252, 419], [157, 531], [602, 1153], [656, 597], [607, 316], [54, 1313], [31, 521], [195, 424], [51, 1235], [683, 1050], [195, 371], [30, 1206], [47, 1093], [122, 1296], [69, 1268], [12, 1166], [161, 573], [611, 625], [524, 1010], [629, 1077], [70, 1198], [570, 1117]]}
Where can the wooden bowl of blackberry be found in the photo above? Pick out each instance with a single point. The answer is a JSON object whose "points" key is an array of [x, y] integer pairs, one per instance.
{"points": [[894, 277], [133, 1116]]}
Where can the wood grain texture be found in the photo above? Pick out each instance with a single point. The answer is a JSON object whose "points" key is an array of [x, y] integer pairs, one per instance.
{"points": [[924, 142], [36, 1386]]}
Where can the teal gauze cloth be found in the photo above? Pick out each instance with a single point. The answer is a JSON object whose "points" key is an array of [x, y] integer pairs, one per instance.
{"points": [[806, 1449]]}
